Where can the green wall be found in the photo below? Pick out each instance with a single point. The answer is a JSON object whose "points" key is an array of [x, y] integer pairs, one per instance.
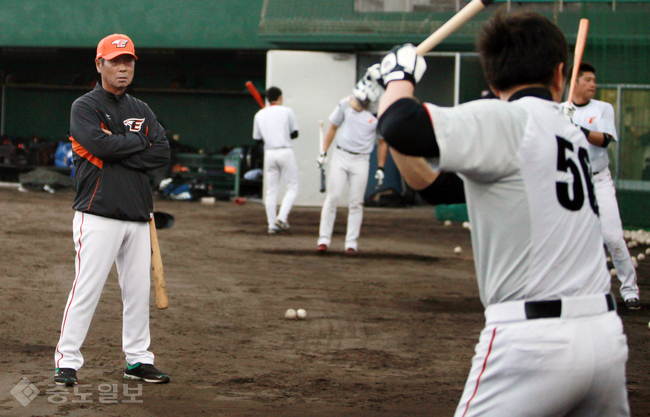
{"points": [[220, 24]]}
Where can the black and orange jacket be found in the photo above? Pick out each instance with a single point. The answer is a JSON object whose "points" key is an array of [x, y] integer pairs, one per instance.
{"points": [[111, 171]]}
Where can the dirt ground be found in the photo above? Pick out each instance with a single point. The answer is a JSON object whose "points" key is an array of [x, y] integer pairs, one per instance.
{"points": [[389, 332]]}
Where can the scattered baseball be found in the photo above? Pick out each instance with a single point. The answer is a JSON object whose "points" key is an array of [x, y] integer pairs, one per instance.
{"points": [[208, 200], [302, 314], [458, 249], [635, 263], [466, 225], [649, 324], [447, 222], [609, 259], [640, 257], [612, 272], [290, 314], [647, 251]]}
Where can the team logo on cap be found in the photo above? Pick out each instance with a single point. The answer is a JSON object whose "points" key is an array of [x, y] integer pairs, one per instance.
{"points": [[120, 43], [134, 124]]}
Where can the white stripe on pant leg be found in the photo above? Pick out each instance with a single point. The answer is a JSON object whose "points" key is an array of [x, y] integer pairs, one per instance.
{"points": [[133, 267], [97, 241]]}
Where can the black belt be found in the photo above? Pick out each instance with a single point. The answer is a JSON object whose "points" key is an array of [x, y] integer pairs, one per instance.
{"points": [[553, 308], [353, 153]]}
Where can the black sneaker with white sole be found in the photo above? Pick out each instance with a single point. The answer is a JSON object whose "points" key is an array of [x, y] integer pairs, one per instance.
{"points": [[145, 372], [65, 376]]}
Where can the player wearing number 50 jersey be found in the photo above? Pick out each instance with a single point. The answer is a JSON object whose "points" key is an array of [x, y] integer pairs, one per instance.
{"points": [[553, 344]]}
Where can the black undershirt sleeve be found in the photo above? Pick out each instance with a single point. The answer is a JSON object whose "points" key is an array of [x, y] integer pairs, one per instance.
{"points": [[446, 189], [294, 134], [406, 126]]}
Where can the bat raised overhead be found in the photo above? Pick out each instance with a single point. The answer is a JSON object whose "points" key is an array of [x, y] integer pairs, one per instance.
{"points": [[453, 24], [581, 40], [256, 95]]}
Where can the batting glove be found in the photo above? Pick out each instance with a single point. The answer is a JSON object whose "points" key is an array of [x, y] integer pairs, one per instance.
{"points": [[569, 110], [379, 176], [403, 63], [321, 159], [369, 88]]}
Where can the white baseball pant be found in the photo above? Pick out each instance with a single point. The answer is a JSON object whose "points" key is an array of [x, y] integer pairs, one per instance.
{"points": [[279, 164], [612, 229], [100, 241], [573, 365], [345, 167]]}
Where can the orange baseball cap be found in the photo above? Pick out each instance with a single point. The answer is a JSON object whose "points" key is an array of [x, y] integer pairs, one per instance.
{"points": [[114, 45]]}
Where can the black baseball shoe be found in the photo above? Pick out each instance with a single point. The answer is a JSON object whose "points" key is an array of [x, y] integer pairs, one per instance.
{"points": [[633, 304], [147, 372], [65, 376]]}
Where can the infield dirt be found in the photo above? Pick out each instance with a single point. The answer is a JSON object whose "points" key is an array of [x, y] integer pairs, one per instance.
{"points": [[389, 332]]}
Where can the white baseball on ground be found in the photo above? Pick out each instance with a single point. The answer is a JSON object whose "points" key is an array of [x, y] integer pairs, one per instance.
{"points": [[302, 314], [612, 272], [466, 225], [647, 251], [640, 257], [458, 249], [290, 314], [447, 222], [609, 259]]}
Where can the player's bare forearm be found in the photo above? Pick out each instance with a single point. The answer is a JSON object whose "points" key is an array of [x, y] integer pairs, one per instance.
{"points": [[414, 169], [329, 137], [382, 151], [395, 90]]}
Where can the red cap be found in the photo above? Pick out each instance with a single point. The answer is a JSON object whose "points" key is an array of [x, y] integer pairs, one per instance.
{"points": [[114, 45]]}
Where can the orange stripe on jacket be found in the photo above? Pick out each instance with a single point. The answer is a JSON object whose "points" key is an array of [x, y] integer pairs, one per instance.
{"points": [[82, 152]]}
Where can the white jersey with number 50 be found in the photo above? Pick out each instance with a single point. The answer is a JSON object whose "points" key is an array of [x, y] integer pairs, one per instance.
{"points": [[535, 228]]}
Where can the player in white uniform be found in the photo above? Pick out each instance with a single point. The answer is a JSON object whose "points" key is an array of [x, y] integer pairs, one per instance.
{"points": [[276, 125], [553, 344], [355, 129], [598, 118]]}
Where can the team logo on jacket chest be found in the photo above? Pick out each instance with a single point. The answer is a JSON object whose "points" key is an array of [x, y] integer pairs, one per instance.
{"points": [[134, 124]]}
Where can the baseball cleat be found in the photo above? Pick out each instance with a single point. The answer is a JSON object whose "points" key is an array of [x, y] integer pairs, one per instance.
{"points": [[351, 251], [284, 226], [321, 249], [273, 231], [65, 376], [633, 304], [146, 372]]}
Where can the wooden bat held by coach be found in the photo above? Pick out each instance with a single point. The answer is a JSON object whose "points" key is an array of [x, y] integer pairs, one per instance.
{"points": [[159, 284]]}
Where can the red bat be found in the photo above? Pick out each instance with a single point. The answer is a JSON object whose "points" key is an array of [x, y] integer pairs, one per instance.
{"points": [[254, 93]]}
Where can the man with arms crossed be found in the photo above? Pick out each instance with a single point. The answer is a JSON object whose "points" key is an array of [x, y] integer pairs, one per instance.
{"points": [[116, 140], [553, 344], [276, 125], [355, 129], [597, 117]]}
